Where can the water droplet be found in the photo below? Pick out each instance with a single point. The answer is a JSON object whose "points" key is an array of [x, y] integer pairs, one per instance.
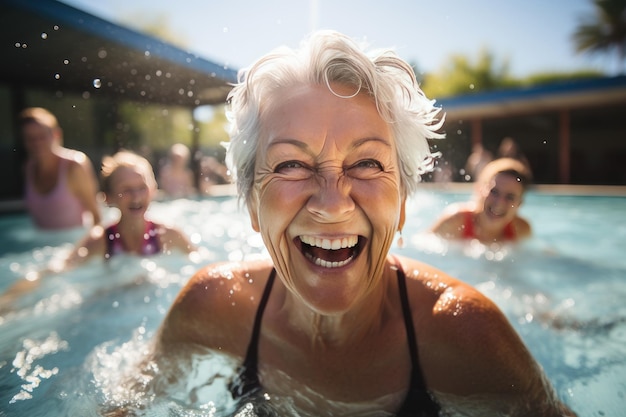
{"points": [[66, 61], [57, 76], [97, 83], [44, 35]]}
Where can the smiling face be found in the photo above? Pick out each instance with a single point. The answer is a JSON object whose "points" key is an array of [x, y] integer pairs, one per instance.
{"points": [[501, 198], [327, 197], [130, 192]]}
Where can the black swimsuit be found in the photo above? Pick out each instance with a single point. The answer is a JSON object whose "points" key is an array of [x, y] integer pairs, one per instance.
{"points": [[418, 402]]}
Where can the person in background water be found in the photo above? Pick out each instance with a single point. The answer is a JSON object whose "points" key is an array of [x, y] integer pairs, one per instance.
{"points": [[176, 179], [128, 183], [212, 173], [493, 214], [60, 183], [327, 143], [477, 161], [510, 149]]}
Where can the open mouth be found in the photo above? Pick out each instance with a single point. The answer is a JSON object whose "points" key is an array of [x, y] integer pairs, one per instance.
{"points": [[135, 207], [495, 213], [330, 253]]}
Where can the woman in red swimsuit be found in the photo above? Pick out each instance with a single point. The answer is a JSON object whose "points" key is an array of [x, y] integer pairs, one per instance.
{"points": [[493, 216]]}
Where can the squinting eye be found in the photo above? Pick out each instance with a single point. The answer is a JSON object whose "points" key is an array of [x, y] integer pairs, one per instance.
{"points": [[365, 168], [293, 170], [368, 164], [289, 165]]}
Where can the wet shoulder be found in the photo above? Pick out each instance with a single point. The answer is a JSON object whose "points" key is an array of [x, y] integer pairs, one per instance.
{"points": [[452, 221], [217, 306], [466, 344], [442, 297], [226, 287]]}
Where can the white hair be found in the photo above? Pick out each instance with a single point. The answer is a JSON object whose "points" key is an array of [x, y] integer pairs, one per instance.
{"points": [[325, 58]]}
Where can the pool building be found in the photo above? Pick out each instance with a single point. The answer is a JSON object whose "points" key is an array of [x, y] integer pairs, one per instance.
{"points": [[88, 71]]}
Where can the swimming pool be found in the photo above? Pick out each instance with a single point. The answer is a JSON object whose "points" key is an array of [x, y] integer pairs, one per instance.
{"points": [[63, 350]]}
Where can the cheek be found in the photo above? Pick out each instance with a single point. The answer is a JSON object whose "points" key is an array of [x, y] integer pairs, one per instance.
{"points": [[276, 202]]}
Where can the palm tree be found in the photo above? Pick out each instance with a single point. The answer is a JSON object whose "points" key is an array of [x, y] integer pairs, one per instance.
{"points": [[604, 31]]}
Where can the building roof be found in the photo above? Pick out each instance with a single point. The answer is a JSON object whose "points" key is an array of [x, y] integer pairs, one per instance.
{"points": [[563, 95], [51, 45]]}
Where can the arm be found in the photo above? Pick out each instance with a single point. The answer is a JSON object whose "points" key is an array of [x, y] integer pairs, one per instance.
{"points": [[485, 356], [450, 224], [173, 239], [82, 181]]}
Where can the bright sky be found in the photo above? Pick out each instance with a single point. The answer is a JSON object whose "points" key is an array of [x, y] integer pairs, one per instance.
{"points": [[533, 35]]}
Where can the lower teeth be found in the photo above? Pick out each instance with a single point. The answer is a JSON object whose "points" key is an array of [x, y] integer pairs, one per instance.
{"points": [[328, 264]]}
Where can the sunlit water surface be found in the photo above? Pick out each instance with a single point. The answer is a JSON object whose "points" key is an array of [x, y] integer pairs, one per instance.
{"points": [[68, 347]]}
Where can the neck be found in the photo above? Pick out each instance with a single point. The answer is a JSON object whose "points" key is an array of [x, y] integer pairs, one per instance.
{"points": [[365, 317]]}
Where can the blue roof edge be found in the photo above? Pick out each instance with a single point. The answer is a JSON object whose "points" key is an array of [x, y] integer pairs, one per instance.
{"points": [[89, 23], [556, 88]]}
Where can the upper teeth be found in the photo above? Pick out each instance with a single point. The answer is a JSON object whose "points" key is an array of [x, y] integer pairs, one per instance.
{"points": [[346, 242]]}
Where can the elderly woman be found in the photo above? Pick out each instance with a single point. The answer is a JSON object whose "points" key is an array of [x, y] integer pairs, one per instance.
{"points": [[493, 214], [327, 144]]}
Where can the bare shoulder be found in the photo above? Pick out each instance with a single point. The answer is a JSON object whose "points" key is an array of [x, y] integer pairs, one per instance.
{"points": [[173, 238], [91, 245], [467, 345], [217, 306], [77, 160], [523, 229], [450, 223]]}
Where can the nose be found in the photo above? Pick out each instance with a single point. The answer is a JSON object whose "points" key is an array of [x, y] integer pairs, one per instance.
{"points": [[331, 201]]}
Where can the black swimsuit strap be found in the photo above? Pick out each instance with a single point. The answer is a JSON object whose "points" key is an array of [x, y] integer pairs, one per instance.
{"points": [[248, 381], [418, 402]]}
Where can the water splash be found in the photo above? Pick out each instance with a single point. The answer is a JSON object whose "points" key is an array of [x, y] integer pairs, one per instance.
{"points": [[24, 364]]}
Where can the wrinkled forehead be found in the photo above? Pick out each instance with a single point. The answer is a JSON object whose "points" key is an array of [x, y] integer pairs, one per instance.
{"points": [[312, 107]]}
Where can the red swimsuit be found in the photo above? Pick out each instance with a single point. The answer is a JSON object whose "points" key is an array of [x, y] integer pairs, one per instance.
{"points": [[468, 228]]}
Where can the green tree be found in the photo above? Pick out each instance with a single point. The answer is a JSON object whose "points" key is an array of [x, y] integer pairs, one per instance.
{"points": [[459, 75], [604, 31]]}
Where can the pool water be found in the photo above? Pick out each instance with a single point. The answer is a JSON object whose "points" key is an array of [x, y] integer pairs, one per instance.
{"points": [[64, 349]]}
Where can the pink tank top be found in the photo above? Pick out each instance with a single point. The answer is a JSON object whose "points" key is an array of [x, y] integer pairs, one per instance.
{"points": [[58, 209]]}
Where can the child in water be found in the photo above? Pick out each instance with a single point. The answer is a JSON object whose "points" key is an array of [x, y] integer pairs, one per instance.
{"points": [[129, 184]]}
